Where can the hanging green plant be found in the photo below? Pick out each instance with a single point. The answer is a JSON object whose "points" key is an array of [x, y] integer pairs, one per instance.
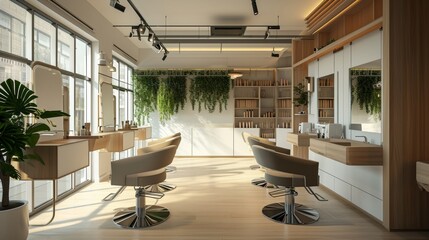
{"points": [[300, 95], [145, 96], [367, 91], [171, 96], [209, 91]]}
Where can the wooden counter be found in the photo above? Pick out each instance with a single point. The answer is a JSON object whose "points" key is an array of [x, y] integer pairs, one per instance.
{"points": [[95, 142], [61, 157], [348, 152], [300, 143]]}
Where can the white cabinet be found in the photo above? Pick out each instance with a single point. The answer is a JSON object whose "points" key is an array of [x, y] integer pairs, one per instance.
{"points": [[281, 137], [212, 141], [360, 185], [240, 147]]}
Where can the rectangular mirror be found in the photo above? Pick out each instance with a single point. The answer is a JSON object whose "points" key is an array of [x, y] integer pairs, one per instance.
{"points": [[107, 113], [366, 84]]}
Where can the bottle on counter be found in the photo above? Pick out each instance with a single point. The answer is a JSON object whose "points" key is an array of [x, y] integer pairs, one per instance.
{"points": [[82, 131]]}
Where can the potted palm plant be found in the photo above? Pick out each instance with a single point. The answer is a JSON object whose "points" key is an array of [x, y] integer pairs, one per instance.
{"points": [[17, 134]]}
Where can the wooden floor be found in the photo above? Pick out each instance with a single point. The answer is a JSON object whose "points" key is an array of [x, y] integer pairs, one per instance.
{"points": [[214, 200]]}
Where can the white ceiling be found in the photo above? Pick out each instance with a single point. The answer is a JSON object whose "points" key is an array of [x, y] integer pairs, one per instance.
{"points": [[291, 15]]}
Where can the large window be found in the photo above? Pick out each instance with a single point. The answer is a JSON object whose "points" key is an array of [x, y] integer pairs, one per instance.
{"points": [[123, 91], [44, 40], [13, 28], [56, 46], [65, 50]]}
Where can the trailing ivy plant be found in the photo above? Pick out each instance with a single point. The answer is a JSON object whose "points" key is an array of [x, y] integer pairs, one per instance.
{"points": [[171, 96], [300, 95], [208, 91], [145, 96], [367, 92]]}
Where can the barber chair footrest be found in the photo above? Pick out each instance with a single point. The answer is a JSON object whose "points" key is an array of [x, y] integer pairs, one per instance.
{"points": [[154, 215], [260, 182], [302, 215]]}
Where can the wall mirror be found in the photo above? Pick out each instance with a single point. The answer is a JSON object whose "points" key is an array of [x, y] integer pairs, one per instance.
{"points": [[48, 86], [366, 88], [106, 108]]}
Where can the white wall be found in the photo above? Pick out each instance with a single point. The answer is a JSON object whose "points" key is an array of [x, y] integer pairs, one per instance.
{"points": [[364, 50], [187, 120]]}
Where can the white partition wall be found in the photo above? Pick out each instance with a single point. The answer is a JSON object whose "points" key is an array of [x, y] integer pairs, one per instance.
{"points": [[366, 49], [212, 142]]}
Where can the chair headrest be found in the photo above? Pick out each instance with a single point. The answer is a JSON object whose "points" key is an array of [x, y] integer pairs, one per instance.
{"points": [[256, 141], [281, 162]]}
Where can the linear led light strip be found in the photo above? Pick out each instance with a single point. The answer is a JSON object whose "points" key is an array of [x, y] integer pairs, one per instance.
{"points": [[217, 49]]}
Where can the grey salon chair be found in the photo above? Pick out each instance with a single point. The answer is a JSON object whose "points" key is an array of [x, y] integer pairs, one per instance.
{"points": [[288, 172], [254, 140], [173, 140], [139, 171], [160, 140], [159, 187]]}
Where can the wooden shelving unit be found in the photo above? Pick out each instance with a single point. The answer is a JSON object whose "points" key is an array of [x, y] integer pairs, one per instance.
{"points": [[284, 98], [263, 99], [326, 97]]}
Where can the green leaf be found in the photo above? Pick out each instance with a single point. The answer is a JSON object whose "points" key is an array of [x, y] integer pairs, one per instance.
{"points": [[37, 127], [52, 114], [33, 139], [208, 91], [9, 170]]}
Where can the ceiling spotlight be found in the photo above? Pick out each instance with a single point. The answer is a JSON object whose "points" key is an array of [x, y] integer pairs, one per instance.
{"points": [[267, 34], [141, 28], [117, 5], [139, 34], [274, 54], [165, 56], [156, 45], [150, 37], [255, 7]]}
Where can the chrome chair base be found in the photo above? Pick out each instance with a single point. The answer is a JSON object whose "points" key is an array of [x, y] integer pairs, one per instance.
{"points": [[170, 169], [154, 215], [302, 215], [261, 182], [160, 187], [254, 167]]}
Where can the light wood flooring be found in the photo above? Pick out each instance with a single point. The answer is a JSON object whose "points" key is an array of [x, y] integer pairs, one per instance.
{"points": [[213, 200]]}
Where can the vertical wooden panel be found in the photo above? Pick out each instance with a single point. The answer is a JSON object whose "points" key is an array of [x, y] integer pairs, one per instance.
{"points": [[378, 8], [408, 119], [360, 16], [299, 74]]}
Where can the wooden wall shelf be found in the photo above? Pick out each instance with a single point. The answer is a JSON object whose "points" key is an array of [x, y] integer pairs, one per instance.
{"points": [[338, 44]]}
